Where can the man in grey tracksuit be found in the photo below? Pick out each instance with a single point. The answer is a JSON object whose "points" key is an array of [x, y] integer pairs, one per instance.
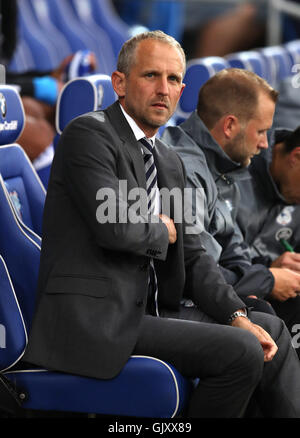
{"points": [[216, 157], [207, 166]]}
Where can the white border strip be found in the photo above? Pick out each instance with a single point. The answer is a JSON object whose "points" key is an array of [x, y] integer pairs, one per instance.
{"points": [[172, 374]]}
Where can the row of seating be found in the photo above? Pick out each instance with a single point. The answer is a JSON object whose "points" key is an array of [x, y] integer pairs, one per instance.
{"points": [[49, 30], [146, 387], [271, 63]]}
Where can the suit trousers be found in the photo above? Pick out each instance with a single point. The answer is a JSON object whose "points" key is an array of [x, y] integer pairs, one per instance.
{"points": [[228, 361]]}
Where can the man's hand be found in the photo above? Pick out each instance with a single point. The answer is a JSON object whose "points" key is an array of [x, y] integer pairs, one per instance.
{"points": [[171, 227], [287, 284], [268, 345], [290, 260]]}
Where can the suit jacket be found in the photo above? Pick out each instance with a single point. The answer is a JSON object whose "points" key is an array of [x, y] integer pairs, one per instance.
{"points": [[93, 276]]}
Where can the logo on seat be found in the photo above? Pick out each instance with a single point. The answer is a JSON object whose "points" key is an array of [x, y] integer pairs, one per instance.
{"points": [[6, 125], [3, 107]]}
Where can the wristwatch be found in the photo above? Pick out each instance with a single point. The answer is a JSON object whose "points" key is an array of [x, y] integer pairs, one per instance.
{"points": [[236, 315]]}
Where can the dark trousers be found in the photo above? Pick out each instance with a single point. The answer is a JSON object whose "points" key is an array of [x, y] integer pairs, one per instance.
{"points": [[228, 362], [289, 311]]}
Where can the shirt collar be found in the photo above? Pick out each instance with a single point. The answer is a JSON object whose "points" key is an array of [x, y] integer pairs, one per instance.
{"points": [[138, 133]]}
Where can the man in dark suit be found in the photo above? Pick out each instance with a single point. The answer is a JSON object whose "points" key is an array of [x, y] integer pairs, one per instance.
{"points": [[113, 276]]}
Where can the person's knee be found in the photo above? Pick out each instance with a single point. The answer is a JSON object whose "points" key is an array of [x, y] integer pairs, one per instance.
{"points": [[250, 357]]}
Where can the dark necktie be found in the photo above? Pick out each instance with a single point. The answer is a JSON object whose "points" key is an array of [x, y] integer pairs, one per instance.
{"points": [[151, 187]]}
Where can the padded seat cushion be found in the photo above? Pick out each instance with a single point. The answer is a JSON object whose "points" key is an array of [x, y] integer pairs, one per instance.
{"points": [[146, 387]]}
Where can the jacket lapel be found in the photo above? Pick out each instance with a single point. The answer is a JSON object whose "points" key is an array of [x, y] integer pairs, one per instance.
{"points": [[131, 145], [167, 168]]}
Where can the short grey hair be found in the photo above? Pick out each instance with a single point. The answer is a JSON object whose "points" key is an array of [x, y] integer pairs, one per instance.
{"points": [[126, 56]]}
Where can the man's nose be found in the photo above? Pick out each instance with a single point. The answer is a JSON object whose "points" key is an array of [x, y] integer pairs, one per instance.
{"points": [[163, 86], [263, 144]]}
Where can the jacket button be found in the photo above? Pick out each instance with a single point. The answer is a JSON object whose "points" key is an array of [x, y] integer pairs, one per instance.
{"points": [[139, 303], [144, 267]]}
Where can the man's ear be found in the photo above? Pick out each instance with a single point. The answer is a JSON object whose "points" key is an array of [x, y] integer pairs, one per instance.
{"points": [[294, 157], [231, 126], [118, 81], [182, 88]]}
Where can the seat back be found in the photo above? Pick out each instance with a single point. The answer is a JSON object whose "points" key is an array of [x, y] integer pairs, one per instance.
{"points": [[22, 59], [26, 191], [293, 49], [21, 253], [82, 95], [45, 54], [40, 10], [106, 54], [79, 37], [198, 71], [22, 199], [13, 333], [12, 116], [249, 60], [279, 63]]}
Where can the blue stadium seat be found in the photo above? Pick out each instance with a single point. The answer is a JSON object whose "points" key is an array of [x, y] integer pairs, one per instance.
{"points": [[22, 59], [146, 386], [40, 10], [25, 189], [293, 49], [45, 54], [82, 95], [198, 71], [84, 13], [13, 331], [21, 252], [80, 38], [249, 60], [279, 63]]}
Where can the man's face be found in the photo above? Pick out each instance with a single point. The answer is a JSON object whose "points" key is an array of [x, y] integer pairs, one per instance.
{"points": [[252, 137], [154, 85], [289, 184]]}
